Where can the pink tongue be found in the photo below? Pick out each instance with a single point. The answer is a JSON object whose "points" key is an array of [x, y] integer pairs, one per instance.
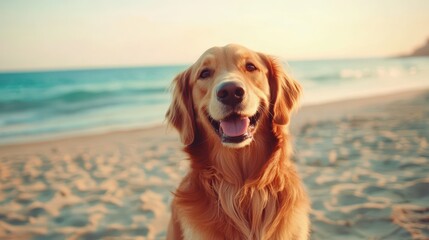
{"points": [[235, 127]]}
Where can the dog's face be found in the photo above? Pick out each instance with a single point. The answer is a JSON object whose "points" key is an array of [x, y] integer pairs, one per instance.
{"points": [[227, 92], [230, 88]]}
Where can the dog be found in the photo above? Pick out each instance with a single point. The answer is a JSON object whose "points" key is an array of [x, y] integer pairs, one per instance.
{"points": [[232, 109]]}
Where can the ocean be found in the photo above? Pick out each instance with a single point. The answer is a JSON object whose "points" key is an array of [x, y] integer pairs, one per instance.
{"points": [[44, 105]]}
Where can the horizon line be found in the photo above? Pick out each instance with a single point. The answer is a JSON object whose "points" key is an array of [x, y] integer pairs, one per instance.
{"points": [[119, 66]]}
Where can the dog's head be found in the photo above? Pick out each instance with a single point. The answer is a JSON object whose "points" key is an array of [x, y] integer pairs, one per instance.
{"points": [[228, 93]]}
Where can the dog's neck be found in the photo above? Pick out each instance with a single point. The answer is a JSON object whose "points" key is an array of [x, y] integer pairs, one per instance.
{"points": [[244, 165]]}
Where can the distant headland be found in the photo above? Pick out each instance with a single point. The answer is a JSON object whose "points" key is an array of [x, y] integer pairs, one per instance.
{"points": [[420, 51]]}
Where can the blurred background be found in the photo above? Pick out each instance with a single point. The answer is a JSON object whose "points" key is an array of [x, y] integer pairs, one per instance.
{"points": [[83, 68], [73, 67]]}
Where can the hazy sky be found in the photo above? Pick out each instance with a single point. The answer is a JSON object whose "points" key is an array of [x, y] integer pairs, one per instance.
{"points": [[49, 34]]}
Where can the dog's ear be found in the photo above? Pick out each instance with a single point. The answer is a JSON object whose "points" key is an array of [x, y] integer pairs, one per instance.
{"points": [[285, 91], [180, 114]]}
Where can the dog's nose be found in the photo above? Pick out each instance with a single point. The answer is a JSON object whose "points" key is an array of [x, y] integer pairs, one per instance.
{"points": [[230, 93]]}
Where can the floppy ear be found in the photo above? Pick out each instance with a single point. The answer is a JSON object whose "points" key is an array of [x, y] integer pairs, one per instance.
{"points": [[285, 92], [180, 114]]}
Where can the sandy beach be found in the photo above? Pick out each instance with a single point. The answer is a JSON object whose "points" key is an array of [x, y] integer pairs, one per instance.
{"points": [[365, 164]]}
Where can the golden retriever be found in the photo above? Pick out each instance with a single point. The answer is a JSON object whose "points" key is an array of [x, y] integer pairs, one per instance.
{"points": [[231, 109]]}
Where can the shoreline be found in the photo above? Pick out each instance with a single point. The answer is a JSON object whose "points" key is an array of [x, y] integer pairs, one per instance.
{"points": [[304, 114]]}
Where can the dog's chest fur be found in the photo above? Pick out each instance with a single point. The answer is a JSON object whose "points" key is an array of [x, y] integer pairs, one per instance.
{"points": [[245, 213]]}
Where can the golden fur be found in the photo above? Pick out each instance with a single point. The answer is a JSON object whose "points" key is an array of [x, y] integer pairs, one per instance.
{"points": [[246, 190]]}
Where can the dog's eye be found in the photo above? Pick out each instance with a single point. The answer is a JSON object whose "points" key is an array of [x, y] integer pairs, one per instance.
{"points": [[205, 73], [250, 67]]}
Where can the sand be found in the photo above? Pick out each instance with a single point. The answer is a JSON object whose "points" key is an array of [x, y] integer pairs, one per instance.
{"points": [[365, 164]]}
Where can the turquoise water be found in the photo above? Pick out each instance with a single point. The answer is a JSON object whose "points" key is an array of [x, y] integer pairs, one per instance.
{"points": [[44, 105]]}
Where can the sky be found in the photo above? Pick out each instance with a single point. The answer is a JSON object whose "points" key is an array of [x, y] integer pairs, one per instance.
{"points": [[52, 34]]}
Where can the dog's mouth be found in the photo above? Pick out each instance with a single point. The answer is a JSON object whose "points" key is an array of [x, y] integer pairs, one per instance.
{"points": [[235, 128]]}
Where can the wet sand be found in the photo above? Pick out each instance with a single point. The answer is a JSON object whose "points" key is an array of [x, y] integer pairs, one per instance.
{"points": [[365, 164]]}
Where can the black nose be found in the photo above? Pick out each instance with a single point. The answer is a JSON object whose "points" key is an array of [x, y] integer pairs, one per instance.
{"points": [[230, 93]]}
